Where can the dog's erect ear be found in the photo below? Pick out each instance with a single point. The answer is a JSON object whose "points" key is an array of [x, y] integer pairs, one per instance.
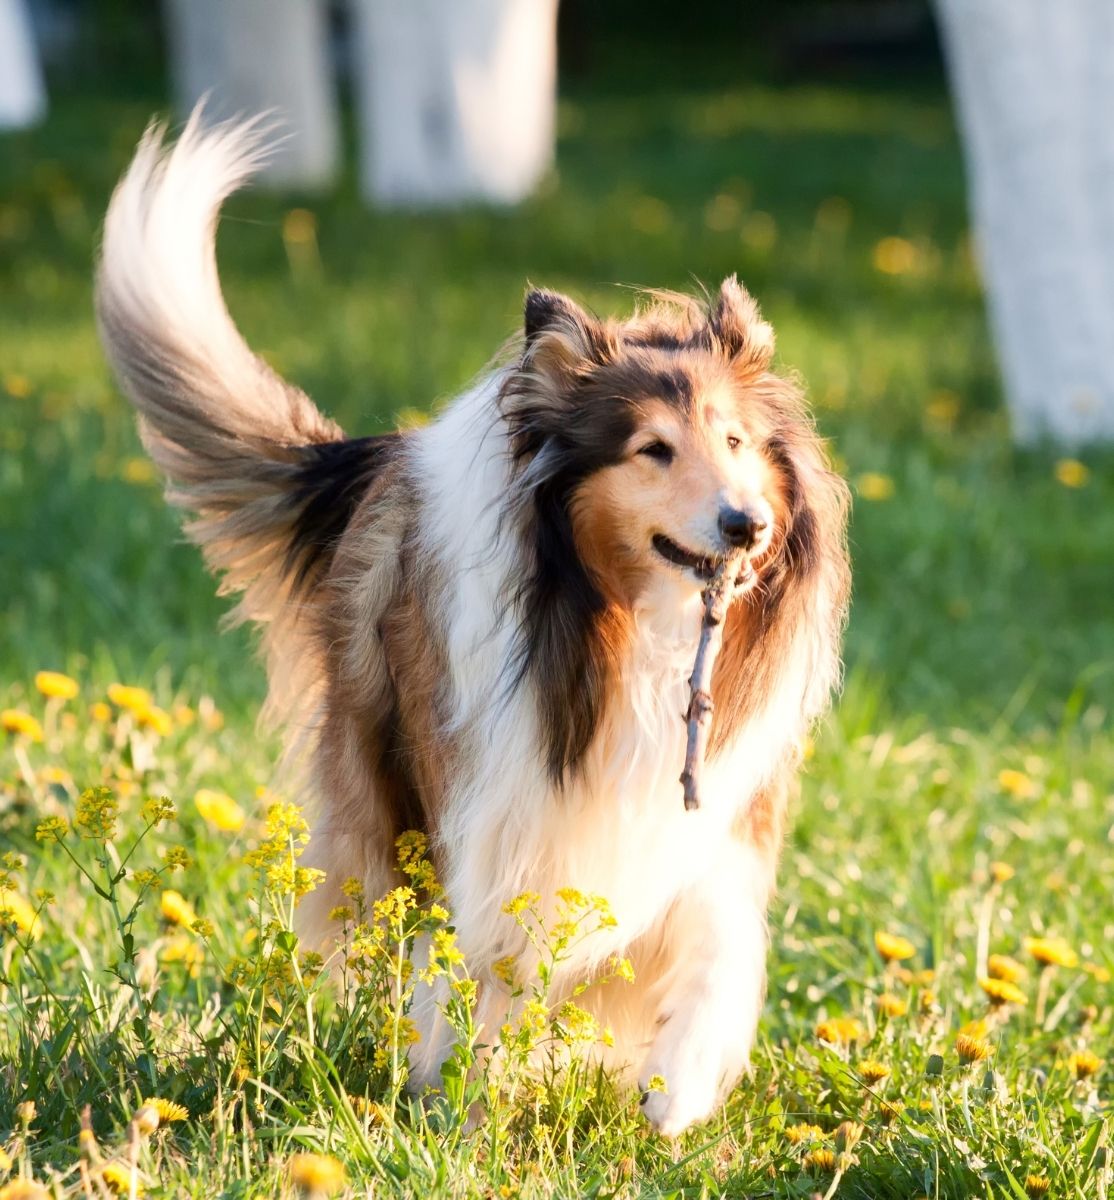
{"points": [[559, 333], [737, 325]]}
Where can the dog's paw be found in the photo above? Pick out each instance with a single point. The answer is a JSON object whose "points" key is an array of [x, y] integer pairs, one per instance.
{"points": [[681, 1103]]}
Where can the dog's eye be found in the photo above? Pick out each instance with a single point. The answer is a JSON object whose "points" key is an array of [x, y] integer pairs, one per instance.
{"points": [[658, 451], [733, 442]]}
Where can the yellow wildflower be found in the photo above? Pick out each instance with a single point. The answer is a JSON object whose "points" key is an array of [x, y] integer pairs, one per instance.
{"points": [[17, 386], [873, 1071], [23, 1189], [14, 721], [1053, 952], [803, 1132], [56, 685], [1084, 1063], [100, 711], [5, 1160], [1001, 966], [1001, 872], [892, 947], [872, 485], [132, 698], [168, 1110], [1072, 473], [15, 908], [1037, 1186], [521, 903], [822, 1160], [154, 718], [895, 256], [504, 969], [119, 1179], [975, 1029], [1098, 973], [96, 814], [972, 1049], [177, 909], [1000, 992], [891, 1110], [317, 1174], [890, 1005], [185, 950], [840, 1031], [943, 408], [1016, 783], [219, 810], [847, 1135], [184, 715]]}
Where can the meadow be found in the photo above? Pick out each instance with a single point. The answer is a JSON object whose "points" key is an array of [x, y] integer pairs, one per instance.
{"points": [[940, 1001]]}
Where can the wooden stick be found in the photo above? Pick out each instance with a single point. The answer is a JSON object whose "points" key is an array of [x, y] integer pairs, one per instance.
{"points": [[716, 597]]}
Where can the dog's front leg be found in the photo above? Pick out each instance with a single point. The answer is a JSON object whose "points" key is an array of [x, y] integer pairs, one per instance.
{"points": [[711, 990]]}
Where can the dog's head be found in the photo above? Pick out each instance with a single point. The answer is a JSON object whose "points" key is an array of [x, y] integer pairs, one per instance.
{"points": [[652, 448]]}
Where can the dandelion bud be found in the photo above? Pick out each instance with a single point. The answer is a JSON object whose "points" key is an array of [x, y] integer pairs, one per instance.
{"points": [[848, 1135], [146, 1119], [26, 1112], [934, 1068]]}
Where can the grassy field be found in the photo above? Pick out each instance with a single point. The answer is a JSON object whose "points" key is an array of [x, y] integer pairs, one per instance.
{"points": [[961, 796]]}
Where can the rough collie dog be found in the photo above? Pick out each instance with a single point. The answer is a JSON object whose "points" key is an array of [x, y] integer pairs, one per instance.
{"points": [[484, 627]]}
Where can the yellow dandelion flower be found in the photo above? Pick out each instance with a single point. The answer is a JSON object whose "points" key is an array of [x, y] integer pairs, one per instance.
{"points": [[132, 698], [1084, 1063], [17, 386], [56, 685], [891, 1110], [1098, 973], [821, 1160], [5, 1160], [895, 256], [972, 1049], [1053, 952], [803, 1132], [1001, 872], [1001, 966], [840, 1031], [219, 810], [1071, 473], [892, 947], [177, 909], [100, 712], [1000, 992], [23, 1189], [17, 722], [154, 718], [184, 715], [872, 485], [872, 1071], [1037, 1186], [317, 1174], [890, 1005], [975, 1029], [168, 1110], [1016, 783], [119, 1179], [15, 909], [185, 950]]}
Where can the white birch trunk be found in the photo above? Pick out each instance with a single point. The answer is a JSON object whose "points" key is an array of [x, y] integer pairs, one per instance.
{"points": [[22, 95], [1034, 89], [253, 56], [456, 98]]}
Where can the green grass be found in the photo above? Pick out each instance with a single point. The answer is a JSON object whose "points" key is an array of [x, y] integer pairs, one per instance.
{"points": [[981, 640]]}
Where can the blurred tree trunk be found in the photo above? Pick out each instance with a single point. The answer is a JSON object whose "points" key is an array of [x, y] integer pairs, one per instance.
{"points": [[1034, 89], [22, 96], [456, 98], [254, 56]]}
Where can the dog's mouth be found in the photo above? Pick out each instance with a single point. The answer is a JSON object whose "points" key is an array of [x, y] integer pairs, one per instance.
{"points": [[703, 566]]}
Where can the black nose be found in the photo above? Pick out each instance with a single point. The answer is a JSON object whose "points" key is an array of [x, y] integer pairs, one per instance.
{"points": [[741, 526]]}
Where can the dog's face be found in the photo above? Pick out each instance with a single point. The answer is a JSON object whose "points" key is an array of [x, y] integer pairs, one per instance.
{"points": [[658, 436]]}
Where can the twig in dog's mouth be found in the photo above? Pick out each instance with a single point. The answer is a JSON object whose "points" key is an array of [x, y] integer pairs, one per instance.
{"points": [[716, 597], [701, 565]]}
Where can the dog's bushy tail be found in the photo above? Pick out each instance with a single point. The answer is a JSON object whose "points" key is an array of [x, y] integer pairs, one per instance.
{"points": [[243, 451]]}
